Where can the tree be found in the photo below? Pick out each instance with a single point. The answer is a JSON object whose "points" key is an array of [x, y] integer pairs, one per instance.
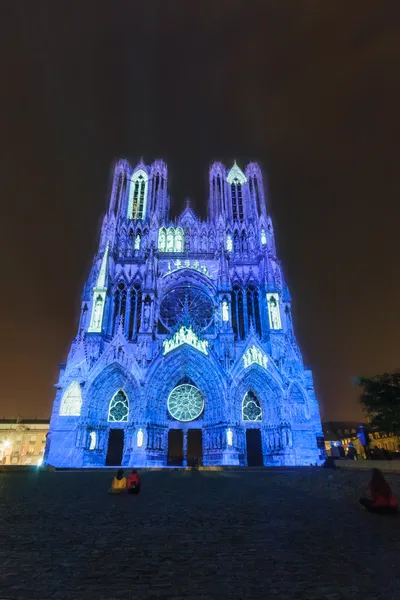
{"points": [[380, 399]]}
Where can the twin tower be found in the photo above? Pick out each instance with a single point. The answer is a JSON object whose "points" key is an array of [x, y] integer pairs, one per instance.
{"points": [[185, 351]]}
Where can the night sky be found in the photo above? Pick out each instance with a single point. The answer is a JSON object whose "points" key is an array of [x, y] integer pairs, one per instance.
{"points": [[309, 89]]}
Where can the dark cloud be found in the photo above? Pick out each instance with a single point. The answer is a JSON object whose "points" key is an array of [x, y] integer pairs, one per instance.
{"points": [[310, 89]]}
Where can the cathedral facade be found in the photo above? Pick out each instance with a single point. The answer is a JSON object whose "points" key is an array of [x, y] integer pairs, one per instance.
{"points": [[185, 350]]}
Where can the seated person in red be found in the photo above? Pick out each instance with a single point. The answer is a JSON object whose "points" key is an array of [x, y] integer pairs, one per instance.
{"points": [[382, 500], [133, 483]]}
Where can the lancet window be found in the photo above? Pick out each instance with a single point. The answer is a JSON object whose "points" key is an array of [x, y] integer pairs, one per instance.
{"points": [[245, 310], [118, 409], [253, 308], [251, 407], [120, 191], [71, 402], [237, 200], [135, 298], [119, 306], [238, 312], [138, 195]]}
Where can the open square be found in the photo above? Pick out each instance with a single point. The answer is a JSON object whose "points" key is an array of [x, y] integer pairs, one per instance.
{"points": [[287, 534]]}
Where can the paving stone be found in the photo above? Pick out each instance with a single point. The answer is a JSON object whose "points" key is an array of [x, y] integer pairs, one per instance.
{"points": [[298, 535]]}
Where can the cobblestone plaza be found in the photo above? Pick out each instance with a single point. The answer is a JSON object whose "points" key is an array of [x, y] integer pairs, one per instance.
{"points": [[287, 534]]}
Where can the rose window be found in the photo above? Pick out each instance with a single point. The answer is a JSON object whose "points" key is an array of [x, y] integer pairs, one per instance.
{"points": [[185, 403], [187, 302]]}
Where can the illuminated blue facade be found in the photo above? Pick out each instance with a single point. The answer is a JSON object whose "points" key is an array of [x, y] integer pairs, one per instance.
{"points": [[185, 325]]}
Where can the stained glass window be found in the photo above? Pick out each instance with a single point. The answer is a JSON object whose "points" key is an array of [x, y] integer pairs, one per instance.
{"points": [[185, 403], [71, 401], [119, 408], [138, 195], [251, 407]]}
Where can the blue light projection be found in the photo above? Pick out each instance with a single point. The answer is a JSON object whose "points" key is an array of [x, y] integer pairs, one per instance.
{"points": [[201, 340]]}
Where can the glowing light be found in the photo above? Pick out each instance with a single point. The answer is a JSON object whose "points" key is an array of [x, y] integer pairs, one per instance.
{"points": [[137, 242], [274, 311], [229, 243], [171, 240], [139, 438], [229, 437], [177, 265], [254, 355], [99, 297], [162, 240], [40, 461], [71, 402], [93, 440], [185, 335], [179, 240], [118, 410], [251, 407], [7, 443], [263, 237], [236, 173], [185, 403], [225, 311], [138, 195]]}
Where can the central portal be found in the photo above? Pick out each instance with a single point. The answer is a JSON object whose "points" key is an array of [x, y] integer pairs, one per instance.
{"points": [[175, 448]]}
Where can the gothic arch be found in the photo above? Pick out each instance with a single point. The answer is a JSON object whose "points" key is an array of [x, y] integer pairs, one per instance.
{"points": [[186, 362], [265, 387], [71, 402], [105, 386], [298, 402]]}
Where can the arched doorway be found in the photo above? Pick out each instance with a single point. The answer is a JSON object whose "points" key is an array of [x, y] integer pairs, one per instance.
{"points": [[254, 448]]}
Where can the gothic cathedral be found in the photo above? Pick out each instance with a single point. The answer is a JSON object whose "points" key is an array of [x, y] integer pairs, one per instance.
{"points": [[185, 351]]}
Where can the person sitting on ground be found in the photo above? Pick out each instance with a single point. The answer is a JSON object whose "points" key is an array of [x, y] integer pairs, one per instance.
{"points": [[133, 483], [382, 500], [119, 482]]}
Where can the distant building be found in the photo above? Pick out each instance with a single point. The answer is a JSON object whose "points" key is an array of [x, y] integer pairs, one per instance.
{"points": [[22, 441], [185, 348], [344, 432]]}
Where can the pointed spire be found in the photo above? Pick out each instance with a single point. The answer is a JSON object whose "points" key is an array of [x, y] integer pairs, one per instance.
{"points": [[236, 173], [101, 279]]}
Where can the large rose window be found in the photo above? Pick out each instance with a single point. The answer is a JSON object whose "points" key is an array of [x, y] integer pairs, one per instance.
{"points": [[185, 403], [184, 302]]}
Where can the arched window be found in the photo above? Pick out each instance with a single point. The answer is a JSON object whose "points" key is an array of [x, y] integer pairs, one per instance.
{"points": [[119, 306], [162, 240], [138, 195], [71, 401], [118, 410], [274, 312], [237, 200], [135, 311], [253, 308], [238, 312], [179, 238], [93, 440], [251, 407], [170, 240]]}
